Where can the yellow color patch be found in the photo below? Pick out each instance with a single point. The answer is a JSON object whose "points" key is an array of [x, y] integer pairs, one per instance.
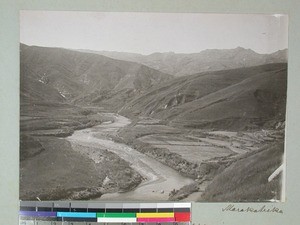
{"points": [[154, 215]]}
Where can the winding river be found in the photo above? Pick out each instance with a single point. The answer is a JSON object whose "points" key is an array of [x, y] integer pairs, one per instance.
{"points": [[159, 178]]}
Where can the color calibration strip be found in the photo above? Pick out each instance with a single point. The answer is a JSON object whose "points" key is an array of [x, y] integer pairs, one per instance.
{"points": [[106, 212]]}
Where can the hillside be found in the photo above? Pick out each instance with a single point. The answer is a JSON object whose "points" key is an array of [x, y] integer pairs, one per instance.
{"points": [[56, 74], [179, 64], [232, 184], [245, 98]]}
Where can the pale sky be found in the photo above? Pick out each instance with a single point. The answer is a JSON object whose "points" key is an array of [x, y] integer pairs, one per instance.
{"points": [[147, 33]]}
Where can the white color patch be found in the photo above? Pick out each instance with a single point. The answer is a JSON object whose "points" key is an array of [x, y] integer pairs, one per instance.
{"points": [[116, 220]]}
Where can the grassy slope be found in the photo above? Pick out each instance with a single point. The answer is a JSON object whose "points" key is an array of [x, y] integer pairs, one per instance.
{"points": [[252, 102], [56, 171], [221, 100], [247, 178]]}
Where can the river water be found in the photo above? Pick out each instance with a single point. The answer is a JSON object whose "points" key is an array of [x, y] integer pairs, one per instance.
{"points": [[159, 178]]}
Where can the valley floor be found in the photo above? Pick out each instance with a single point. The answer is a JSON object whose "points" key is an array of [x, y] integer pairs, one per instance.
{"points": [[149, 160]]}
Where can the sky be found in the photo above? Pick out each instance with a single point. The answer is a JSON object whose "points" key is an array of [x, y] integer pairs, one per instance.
{"points": [[146, 33]]}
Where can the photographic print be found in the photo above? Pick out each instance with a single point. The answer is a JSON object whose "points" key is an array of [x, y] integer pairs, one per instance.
{"points": [[123, 106]]}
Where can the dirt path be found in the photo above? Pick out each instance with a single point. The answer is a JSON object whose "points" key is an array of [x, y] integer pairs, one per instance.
{"points": [[159, 179]]}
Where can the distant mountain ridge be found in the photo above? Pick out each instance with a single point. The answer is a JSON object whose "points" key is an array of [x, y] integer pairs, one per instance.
{"points": [[181, 64]]}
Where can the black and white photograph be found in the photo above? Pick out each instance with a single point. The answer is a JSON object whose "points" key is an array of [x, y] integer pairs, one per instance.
{"points": [[140, 106]]}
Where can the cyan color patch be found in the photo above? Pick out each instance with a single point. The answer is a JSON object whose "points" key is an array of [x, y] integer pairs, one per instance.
{"points": [[76, 215]]}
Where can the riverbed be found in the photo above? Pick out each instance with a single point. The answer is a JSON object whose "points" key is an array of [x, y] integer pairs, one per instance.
{"points": [[159, 179]]}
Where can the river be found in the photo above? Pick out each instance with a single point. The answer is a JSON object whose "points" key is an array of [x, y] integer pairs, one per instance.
{"points": [[159, 178]]}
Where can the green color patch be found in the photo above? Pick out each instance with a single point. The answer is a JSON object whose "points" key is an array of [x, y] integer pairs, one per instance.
{"points": [[116, 215]]}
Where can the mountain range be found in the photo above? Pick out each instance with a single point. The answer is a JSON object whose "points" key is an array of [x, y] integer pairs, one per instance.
{"points": [[247, 97], [180, 64]]}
